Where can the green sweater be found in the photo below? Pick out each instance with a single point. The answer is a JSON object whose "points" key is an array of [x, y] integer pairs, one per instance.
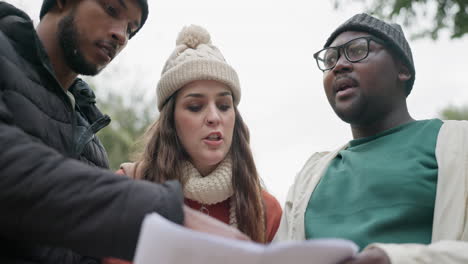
{"points": [[380, 189]]}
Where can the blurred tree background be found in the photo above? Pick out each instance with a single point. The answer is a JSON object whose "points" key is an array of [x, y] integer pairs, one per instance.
{"points": [[130, 118], [455, 113], [130, 113], [425, 18]]}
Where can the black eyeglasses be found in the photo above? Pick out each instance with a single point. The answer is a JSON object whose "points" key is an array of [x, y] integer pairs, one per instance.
{"points": [[354, 50]]}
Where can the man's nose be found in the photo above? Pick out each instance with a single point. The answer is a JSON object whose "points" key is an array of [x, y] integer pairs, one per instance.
{"points": [[119, 34], [342, 64]]}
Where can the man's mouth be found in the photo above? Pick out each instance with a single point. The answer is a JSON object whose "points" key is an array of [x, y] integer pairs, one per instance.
{"points": [[108, 49], [344, 83]]}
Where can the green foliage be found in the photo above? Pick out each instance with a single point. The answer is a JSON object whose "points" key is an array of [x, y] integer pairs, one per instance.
{"points": [[130, 118], [455, 113], [442, 14]]}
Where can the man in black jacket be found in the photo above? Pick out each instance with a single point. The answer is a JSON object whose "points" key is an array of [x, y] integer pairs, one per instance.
{"points": [[56, 205]]}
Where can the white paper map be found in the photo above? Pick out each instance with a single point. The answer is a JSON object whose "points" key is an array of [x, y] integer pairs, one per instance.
{"points": [[163, 242]]}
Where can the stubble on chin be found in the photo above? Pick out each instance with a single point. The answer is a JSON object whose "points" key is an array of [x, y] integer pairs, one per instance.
{"points": [[68, 37]]}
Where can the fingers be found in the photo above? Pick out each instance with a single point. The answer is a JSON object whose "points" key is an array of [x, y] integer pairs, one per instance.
{"points": [[371, 255]]}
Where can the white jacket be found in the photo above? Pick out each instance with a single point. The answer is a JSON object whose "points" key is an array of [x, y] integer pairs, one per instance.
{"points": [[450, 226]]}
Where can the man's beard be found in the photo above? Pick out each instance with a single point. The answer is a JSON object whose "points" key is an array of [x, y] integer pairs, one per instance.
{"points": [[68, 37]]}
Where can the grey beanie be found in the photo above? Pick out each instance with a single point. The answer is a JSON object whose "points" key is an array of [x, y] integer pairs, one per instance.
{"points": [[392, 34], [49, 4], [195, 58]]}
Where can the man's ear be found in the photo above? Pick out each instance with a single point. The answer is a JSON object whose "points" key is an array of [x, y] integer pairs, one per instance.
{"points": [[404, 73]]}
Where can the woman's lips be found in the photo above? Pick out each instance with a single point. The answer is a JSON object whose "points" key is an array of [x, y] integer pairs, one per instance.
{"points": [[213, 143], [214, 139]]}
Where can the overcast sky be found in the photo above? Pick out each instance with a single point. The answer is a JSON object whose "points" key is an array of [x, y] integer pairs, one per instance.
{"points": [[270, 43]]}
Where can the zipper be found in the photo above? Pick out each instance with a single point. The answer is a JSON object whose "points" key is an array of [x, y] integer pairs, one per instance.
{"points": [[89, 134]]}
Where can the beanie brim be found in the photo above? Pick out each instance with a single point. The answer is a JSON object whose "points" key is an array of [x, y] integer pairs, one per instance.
{"points": [[197, 70]]}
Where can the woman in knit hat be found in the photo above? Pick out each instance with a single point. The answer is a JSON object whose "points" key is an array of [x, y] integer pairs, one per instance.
{"points": [[201, 140]]}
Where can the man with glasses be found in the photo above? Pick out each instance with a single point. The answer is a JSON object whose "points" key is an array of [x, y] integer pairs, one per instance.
{"points": [[399, 188]]}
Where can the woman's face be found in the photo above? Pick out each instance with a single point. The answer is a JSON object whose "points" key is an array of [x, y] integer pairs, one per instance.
{"points": [[204, 120]]}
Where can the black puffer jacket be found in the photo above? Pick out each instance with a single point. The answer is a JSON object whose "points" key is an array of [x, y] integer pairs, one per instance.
{"points": [[53, 208]]}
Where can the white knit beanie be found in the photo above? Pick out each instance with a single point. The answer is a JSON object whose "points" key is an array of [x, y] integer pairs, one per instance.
{"points": [[193, 59]]}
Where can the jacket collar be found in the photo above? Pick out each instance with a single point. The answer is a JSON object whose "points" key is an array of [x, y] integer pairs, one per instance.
{"points": [[85, 100], [19, 28]]}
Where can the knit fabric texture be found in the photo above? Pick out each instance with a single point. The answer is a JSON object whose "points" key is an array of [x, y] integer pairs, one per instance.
{"points": [[195, 58], [392, 34], [211, 189], [49, 4]]}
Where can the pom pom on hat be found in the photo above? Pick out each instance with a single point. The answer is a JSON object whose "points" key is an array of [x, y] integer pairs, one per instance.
{"points": [[195, 58], [192, 36]]}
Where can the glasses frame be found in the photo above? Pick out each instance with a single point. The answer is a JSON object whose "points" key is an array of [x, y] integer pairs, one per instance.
{"points": [[343, 47]]}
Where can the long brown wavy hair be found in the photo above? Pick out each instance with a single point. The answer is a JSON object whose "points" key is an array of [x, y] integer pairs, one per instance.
{"points": [[163, 156]]}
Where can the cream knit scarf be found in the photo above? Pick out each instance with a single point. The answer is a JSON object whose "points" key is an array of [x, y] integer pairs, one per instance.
{"points": [[211, 189]]}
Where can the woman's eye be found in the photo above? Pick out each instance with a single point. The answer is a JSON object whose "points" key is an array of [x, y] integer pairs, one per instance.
{"points": [[194, 108], [224, 107]]}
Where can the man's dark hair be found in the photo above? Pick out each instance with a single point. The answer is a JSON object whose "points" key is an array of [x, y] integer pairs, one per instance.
{"points": [[49, 4]]}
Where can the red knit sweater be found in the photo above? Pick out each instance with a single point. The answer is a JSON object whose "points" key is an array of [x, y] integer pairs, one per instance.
{"points": [[220, 211]]}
